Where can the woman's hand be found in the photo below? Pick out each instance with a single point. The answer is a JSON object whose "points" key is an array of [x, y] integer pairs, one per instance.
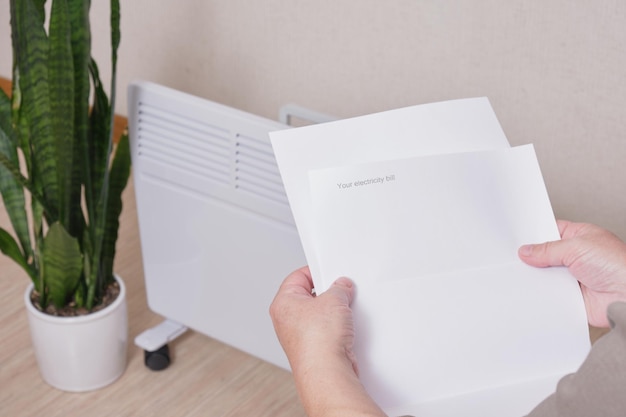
{"points": [[310, 328], [594, 256], [317, 334]]}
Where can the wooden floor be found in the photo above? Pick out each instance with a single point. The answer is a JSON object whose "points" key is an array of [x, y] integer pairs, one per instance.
{"points": [[206, 378]]}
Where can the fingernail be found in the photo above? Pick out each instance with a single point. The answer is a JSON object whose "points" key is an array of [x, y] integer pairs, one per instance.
{"points": [[346, 282], [526, 250]]}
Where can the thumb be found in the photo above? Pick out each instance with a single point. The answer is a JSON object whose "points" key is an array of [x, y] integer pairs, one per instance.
{"points": [[553, 253], [342, 288]]}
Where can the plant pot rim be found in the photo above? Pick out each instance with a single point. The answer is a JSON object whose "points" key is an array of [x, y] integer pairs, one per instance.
{"points": [[75, 319]]}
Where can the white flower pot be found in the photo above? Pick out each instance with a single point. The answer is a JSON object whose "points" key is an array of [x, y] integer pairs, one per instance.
{"points": [[80, 353]]}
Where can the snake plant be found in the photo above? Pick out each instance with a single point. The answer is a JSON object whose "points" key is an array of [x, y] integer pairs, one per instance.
{"points": [[61, 175]]}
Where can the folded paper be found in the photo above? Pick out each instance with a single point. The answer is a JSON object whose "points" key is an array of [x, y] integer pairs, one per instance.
{"points": [[425, 208]]}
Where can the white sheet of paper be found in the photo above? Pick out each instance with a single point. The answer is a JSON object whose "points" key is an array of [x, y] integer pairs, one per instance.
{"points": [[449, 126], [429, 345], [444, 307]]}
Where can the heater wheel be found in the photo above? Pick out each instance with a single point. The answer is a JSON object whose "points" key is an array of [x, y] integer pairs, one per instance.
{"points": [[159, 359]]}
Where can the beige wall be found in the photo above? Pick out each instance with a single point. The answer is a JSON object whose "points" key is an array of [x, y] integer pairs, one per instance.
{"points": [[555, 70]]}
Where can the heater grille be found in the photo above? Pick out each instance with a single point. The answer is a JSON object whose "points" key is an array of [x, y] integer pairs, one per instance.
{"points": [[187, 145], [201, 150]]}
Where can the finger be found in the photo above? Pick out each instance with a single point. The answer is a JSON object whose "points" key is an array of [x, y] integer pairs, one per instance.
{"points": [[546, 254], [342, 288], [299, 281]]}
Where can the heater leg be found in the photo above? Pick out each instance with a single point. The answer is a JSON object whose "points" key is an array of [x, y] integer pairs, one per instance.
{"points": [[154, 343]]}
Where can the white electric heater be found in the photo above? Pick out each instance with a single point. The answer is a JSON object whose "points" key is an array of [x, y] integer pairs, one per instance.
{"points": [[216, 231]]}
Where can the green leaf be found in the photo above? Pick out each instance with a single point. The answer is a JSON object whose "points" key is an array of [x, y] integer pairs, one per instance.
{"points": [[10, 188], [115, 43], [7, 165], [120, 172], [96, 180], [115, 29], [5, 115], [39, 5], [98, 146], [62, 263], [31, 56], [81, 52], [61, 89], [79, 295], [9, 247], [82, 291]]}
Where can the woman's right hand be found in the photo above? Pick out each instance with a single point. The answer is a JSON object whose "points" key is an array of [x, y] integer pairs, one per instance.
{"points": [[594, 256]]}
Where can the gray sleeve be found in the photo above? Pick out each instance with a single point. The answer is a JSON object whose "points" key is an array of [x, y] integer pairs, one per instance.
{"points": [[598, 388]]}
